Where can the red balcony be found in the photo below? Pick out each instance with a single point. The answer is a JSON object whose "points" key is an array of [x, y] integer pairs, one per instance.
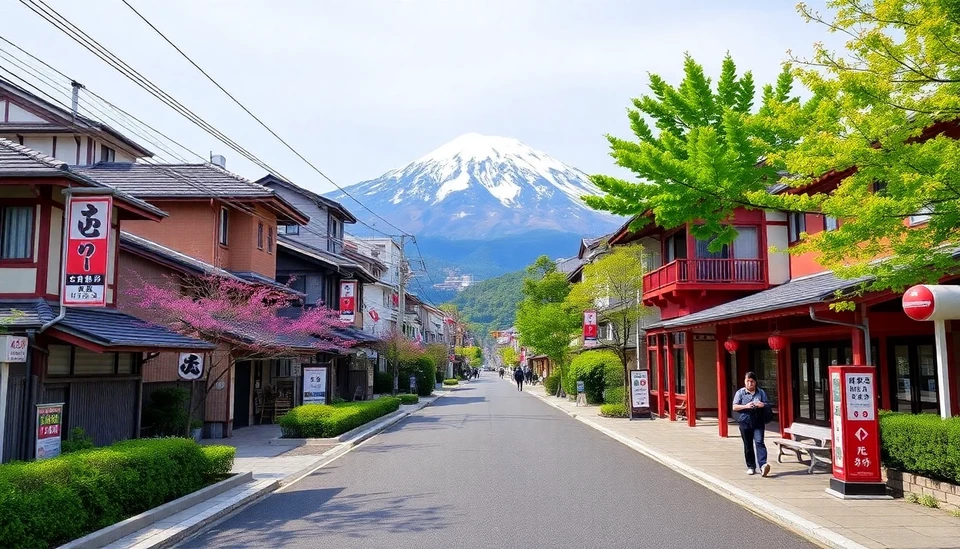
{"points": [[706, 274]]}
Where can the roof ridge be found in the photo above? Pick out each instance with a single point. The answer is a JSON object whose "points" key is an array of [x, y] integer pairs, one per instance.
{"points": [[35, 155], [239, 177]]}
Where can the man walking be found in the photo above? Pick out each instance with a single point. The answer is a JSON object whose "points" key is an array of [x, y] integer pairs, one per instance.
{"points": [[754, 407], [518, 377]]}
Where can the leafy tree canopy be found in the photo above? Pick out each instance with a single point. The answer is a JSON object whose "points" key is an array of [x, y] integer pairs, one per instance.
{"points": [[544, 321]]}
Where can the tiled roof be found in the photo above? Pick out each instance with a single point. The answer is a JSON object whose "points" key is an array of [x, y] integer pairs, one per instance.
{"points": [[800, 291], [104, 327], [568, 265], [175, 180], [323, 256], [257, 278], [271, 180], [19, 161]]}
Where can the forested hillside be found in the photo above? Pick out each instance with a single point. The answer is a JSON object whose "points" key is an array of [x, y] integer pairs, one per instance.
{"points": [[492, 303]]}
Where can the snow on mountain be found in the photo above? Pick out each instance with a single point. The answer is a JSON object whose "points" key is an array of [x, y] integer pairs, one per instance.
{"points": [[479, 186]]}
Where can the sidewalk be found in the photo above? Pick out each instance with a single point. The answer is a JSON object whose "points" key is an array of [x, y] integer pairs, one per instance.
{"points": [[789, 496], [274, 464]]}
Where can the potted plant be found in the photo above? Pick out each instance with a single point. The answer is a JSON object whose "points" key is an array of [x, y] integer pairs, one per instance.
{"points": [[196, 429]]}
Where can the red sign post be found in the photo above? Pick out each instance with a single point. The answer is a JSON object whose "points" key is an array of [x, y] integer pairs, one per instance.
{"points": [[348, 300], [856, 433], [590, 328], [87, 250]]}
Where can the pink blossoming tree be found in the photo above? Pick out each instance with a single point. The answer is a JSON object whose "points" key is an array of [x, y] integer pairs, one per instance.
{"points": [[246, 316]]}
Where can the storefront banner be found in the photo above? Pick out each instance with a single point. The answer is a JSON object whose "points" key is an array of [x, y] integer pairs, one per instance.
{"points": [[348, 300], [88, 250], [190, 366], [590, 328], [639, 388], [13, 348], [49, 419], [314, 385]]}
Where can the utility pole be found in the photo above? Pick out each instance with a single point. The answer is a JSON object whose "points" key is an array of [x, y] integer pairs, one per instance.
{"points": [[401, 282]]}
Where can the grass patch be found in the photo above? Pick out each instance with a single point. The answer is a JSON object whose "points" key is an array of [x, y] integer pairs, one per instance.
{"points": [[450, 382]]}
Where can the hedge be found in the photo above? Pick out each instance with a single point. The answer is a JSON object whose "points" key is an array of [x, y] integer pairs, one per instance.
{"points": [[383, 383], [326, 420], [451, 381], [551, 382], [219, 460], [614, 395], [922, 444], [591, 367], [50, 502], [613, 410], [426, 373], [408, 399]]}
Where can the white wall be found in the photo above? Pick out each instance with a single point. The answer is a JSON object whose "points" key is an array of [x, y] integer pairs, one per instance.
{"points": [[18, 281], [54, 251], [778, 263], [17, 114]]}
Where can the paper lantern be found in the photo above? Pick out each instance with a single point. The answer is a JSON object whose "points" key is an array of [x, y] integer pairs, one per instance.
{"points": [[777, 342], [731, 345]]}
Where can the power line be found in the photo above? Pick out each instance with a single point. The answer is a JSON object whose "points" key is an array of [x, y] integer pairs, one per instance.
{"points": [[255, 117]]}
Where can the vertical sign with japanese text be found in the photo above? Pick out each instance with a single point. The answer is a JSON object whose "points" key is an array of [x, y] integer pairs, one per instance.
{"points": [[88, 250], [49, 420], [348, 300], [590, 328], [314, 384], [857, 456], [639, 388]]}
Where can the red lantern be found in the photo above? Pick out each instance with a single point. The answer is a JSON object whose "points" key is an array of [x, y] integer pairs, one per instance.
{"points": [[731, 345], [777, 342]]}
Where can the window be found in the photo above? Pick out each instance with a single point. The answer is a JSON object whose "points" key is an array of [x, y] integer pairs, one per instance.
{"points": [[288, 229], [269, 240], [224, 225], [259, 235], [880, 188], [921, 216], [796, 224], [830, 223], [282, 368], [334, 235], [16, 232], [107, 154], [676, 246]]}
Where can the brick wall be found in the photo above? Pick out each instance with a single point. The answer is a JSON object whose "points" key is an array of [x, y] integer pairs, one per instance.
{"points": [[244, 255], [191, 228], [904, 483]]}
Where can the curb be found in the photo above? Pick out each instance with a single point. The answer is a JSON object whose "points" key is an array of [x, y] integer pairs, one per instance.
{"points": [[795, 523]]}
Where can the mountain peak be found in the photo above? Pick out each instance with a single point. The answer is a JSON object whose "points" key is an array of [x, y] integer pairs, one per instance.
{"points": [[479, 185]]}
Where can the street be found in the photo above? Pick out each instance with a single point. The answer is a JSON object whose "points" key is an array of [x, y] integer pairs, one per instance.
{"points": [[488, 466]]}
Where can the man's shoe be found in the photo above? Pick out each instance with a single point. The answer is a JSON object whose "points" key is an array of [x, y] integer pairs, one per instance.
{"points": [[765, 470], [750, 471]]}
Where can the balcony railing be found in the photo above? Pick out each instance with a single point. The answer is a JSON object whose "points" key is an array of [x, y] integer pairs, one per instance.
{"points": [[706, 271]]}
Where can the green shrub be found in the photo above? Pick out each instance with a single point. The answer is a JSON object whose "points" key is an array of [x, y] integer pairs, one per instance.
{"points": [[438, 378], [383, 383], [219, 460], [614, 395], [551, 382], [426, 374], [78, 440], [922, 444], [408, 399], [451, 381], [613, 410], [166, 413], [591, 367], [48, 503], [323, 421]]}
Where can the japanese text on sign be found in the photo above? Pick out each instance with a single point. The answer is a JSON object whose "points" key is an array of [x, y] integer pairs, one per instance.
{"points": [[859, 389], [49, 418], [87, 250]]}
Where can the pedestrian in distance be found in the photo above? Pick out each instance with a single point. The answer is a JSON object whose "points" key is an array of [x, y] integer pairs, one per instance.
{"points": [[755, 412], [518, 377], [501, 372]]}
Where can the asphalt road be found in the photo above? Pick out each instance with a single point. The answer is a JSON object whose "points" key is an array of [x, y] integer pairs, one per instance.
{"points": [[488, 466]]}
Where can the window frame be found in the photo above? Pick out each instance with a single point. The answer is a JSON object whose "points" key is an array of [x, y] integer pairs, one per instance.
{"points": [[922, 216], [224, 227], [108, 155], [796, 225], [285, 229], [826, 223], [259, 235], [28, 260], [270, 240]]}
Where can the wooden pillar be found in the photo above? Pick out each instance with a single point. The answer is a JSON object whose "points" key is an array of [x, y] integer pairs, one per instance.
{"points": [[671, 379], [691, 369], [722, 397]]}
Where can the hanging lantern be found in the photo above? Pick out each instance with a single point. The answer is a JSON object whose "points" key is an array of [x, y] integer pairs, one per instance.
{"points": [[731, 345], [777, 342]]}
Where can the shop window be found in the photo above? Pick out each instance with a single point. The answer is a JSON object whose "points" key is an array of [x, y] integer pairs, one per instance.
{"points": [[89, 363], [654, 369], [764, 364], [16, 232], [125, 364], [58, 361], [680, 371]]}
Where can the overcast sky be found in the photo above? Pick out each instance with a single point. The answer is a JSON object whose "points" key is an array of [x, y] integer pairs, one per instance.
{"points": [[362, 86]]}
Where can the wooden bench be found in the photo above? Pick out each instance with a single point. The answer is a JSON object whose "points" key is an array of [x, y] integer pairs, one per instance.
{"points": [[813, 440]]}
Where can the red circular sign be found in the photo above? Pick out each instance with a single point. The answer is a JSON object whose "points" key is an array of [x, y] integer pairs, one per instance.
{"points": [[918, 303]]}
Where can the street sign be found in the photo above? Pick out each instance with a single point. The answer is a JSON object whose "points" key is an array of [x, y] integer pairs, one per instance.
{"points": [[856, 433], [314, 384], [13, 348], [87, 250], [348, 300], [590, 328]]}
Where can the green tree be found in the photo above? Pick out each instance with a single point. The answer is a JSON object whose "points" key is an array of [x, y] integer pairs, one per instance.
{"points": [[544, 320], [881, 111], [704, 153], [612, 286], [509, 356]]}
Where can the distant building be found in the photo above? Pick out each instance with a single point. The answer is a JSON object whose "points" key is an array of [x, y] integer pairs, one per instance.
{"points": [[455, 283]]}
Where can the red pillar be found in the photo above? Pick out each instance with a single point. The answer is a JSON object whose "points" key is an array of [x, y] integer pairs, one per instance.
{"points": [[722, 396], [952, 369], [671, 379], [691, 369], [661, 384]]}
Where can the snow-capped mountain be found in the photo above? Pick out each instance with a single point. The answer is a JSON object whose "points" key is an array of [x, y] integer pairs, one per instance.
{"points": [[479, 186]]}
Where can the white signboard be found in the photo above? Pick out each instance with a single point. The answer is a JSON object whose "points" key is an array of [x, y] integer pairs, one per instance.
{"points": [[190, 366], [314, 385], [859, 389], [13, 348], [837, 420], [639, 388]]}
